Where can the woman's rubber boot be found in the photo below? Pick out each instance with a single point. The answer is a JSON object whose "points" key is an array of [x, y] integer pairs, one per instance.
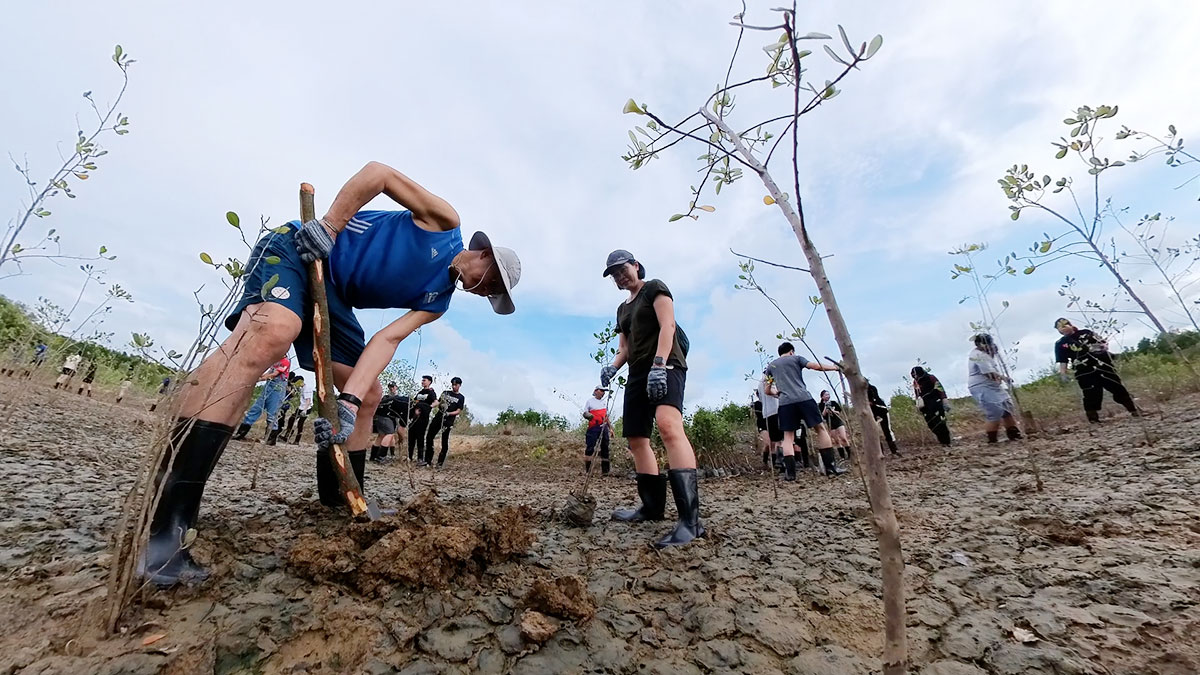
{"points": [[1014, 434], [687, 501], [831, 468], [242, 431], [166, 561], [993, 436], [789, 468], [1093, 416], [652, 489], [328, 490], [273, 437]]}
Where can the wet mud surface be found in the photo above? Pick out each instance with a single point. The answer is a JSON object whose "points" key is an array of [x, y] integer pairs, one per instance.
{"points": [[477, 572]]}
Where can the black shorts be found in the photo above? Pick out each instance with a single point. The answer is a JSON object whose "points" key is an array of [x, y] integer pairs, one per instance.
{"points": [[638, 417], [792, 416], [383, 425], [774, 433], [70, 372]]}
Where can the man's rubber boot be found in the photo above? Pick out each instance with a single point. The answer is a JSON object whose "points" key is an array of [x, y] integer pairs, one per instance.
{"points": [[358, 462], [831, 467], [804, 462], [766, 459], [587, 465], [273, 437], [789, 468], [687, 501], [166, 561], [893, 447], [778, 460], [241, 432], [1013, 433], [652, 489], [605, 467], [993, 436], [328, 490], [1093, 416]]}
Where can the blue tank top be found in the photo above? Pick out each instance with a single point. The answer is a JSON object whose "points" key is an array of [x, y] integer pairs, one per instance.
{"points": [[382, 260]]}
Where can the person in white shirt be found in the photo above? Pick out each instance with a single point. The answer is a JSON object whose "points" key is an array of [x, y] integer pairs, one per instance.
{"points": [[68, 371], [985, 381], [598, 431]]}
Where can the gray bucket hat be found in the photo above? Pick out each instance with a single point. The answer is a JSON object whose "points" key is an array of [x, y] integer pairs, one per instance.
{"points": [[510, 271]]}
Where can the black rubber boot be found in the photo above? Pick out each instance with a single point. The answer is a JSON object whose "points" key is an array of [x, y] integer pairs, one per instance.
{"points": [[241, 432], [273, 437], [789, 468], [1013, 433], [652, 489], [374, 453], [778, 460], [993, 436], [605, 467], [687, 501], [766, 459], [831, 467], [328, 490], [358, 462], [804, 461], [166, 561], [1093, 416]]}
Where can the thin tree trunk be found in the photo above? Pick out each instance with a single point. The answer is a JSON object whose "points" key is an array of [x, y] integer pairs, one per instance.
{"points": [[887, 530]]}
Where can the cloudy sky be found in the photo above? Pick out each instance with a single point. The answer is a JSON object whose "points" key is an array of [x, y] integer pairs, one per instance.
{"points": [[512, 112]]}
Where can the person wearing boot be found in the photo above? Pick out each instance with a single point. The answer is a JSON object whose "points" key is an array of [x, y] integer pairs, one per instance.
{"points": [[986, 382], [412, 259], [297, 418], [835, 420], [771, 433], [384, 424], [655, 349], [420, 409], [163, 388], [88, 378], [882, 413], [1094, 370], [70, 365], [797, 409], [269, 400], [449, 406], [931, 401], [596, 413]]}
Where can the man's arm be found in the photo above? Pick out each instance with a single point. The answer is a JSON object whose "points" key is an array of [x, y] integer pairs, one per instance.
{"points": [[382, 348], [430, 212], [664, 309], [817, 365]]}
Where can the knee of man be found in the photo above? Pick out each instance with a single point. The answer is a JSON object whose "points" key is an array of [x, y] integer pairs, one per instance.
{"points": [[268, 336]]}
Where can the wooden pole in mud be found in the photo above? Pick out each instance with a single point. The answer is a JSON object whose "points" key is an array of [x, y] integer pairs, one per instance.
{"points": [[323, 365]]}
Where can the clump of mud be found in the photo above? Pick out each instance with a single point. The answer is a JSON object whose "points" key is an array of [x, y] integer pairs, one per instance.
{"points": [[425, 544], [566, 597]]}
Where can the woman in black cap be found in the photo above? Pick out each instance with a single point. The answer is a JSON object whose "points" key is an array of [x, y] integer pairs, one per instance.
{"points": [[656, 350]]}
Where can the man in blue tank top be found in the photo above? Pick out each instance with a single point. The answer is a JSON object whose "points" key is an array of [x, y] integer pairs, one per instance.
{"points": [[410, 259]]}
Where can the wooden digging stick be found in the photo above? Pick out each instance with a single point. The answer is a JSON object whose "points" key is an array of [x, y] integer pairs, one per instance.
{"points": [[323, 365]]}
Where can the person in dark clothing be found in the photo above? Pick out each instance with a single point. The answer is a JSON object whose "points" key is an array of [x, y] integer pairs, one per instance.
{"points": [[385, 423], [797, 409], [88, 378], [655, 348], [835, 419], [448, 407], [297, 418], [1094, 370], [880, 409], [931, 401], [419, 408]]}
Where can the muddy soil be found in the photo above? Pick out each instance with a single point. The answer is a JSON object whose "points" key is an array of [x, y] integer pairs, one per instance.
{"points": [[476, 572]]}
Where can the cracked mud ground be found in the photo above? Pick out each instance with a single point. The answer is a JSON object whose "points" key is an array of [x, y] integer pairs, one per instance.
{"points": [[1099, 573]]}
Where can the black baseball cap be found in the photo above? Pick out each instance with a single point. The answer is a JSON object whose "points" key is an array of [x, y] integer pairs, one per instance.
{"points": [[620, 257]]}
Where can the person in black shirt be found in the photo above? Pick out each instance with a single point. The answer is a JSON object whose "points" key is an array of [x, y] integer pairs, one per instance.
{"points": [[1094, 370], [880, 409], [419, 408], [656, 350], [931, 401], [449, 406], [384, 424], [835, 419]]}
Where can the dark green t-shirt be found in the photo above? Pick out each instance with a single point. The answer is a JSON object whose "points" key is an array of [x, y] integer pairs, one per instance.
{"points": [[638, 322]]}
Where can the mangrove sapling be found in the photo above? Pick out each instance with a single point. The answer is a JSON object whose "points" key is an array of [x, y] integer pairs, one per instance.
{"points": [[727, 152]]}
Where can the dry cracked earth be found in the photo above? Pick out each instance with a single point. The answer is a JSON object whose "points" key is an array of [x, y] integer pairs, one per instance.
{"points": [[1097, 573]]}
